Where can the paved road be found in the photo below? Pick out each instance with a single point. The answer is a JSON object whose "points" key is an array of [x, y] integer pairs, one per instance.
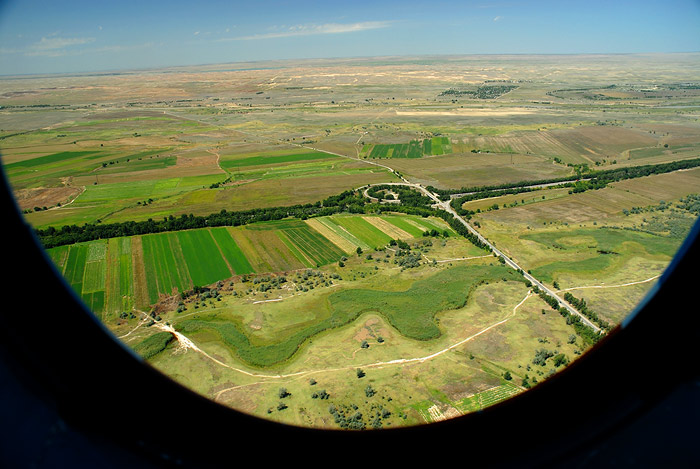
{"points": [[445, 205]]}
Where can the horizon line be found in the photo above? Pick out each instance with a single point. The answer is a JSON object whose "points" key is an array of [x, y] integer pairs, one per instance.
{"points": [[164, 68]]}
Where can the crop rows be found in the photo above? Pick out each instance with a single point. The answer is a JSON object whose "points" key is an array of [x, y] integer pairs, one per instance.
{"points": [[413, 149], [105, 273], [314, 246], [274, 159], [489, 397], [363, 230]]}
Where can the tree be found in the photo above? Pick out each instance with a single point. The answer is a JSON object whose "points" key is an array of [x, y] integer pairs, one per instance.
{"points": [[359, 250], [507, 376], [360, 373], [283, 393]]}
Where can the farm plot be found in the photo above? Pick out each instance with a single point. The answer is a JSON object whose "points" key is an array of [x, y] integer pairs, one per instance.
{"points": [[53, 159], [84, 270], [363, 230], [344, 244], [390, 229], [203, 258], [264, 250], [437, 146], [58, 256], [119, 276], [310, 246], [275, 158], [232, 253], [166, 271], [339, 232], [368, 232], [413, 149], [416, 226], [489, 397]]}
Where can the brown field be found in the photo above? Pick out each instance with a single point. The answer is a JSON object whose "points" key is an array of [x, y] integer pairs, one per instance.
{"points": [[603, 204], [265, 250], [667, 186], [45, 196], [141, 299], [526, 197], [465, 170]]}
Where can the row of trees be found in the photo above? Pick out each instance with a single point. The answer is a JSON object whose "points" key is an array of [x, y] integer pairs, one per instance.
{"points": [[348, 201], [412, 203], [587, 334], [607, 175], [582, 307], [597, 180]]}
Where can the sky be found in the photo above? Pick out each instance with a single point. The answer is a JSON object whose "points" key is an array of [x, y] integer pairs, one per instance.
{"points": [[89, 36]]}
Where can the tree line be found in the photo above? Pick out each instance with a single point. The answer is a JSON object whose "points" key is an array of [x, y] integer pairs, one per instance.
{"points": [[605, 175], [348, 201], [351, 201]]}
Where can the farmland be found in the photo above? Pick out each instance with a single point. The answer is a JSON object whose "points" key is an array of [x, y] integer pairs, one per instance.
{"points": [[104, 272], [217, 223], [414, 149]]}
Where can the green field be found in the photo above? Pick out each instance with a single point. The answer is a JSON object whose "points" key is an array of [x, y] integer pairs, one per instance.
{"points": [[414, 149], [274, 159], [363, 230], [104, 272], [597, 250], [412, 312], [59, 157]]}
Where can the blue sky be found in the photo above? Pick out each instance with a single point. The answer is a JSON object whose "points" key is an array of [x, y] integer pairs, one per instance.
{"points": [[78, 36]]}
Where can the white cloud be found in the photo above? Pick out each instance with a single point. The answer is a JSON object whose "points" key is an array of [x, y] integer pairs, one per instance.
{"points": [[56, 46], [498, 18], [315, 29]]}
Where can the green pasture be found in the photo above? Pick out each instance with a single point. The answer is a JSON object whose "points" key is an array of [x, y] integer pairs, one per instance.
{"points": [[59, 157], [412, 312], [259, 160], [599, 249], [152, 188]]}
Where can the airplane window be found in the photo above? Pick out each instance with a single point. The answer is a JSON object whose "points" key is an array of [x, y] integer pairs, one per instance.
{"points": [[317, 238]]}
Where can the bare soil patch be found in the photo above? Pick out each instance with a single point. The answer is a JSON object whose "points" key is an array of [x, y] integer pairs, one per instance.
{"points": [[45, 196]]}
